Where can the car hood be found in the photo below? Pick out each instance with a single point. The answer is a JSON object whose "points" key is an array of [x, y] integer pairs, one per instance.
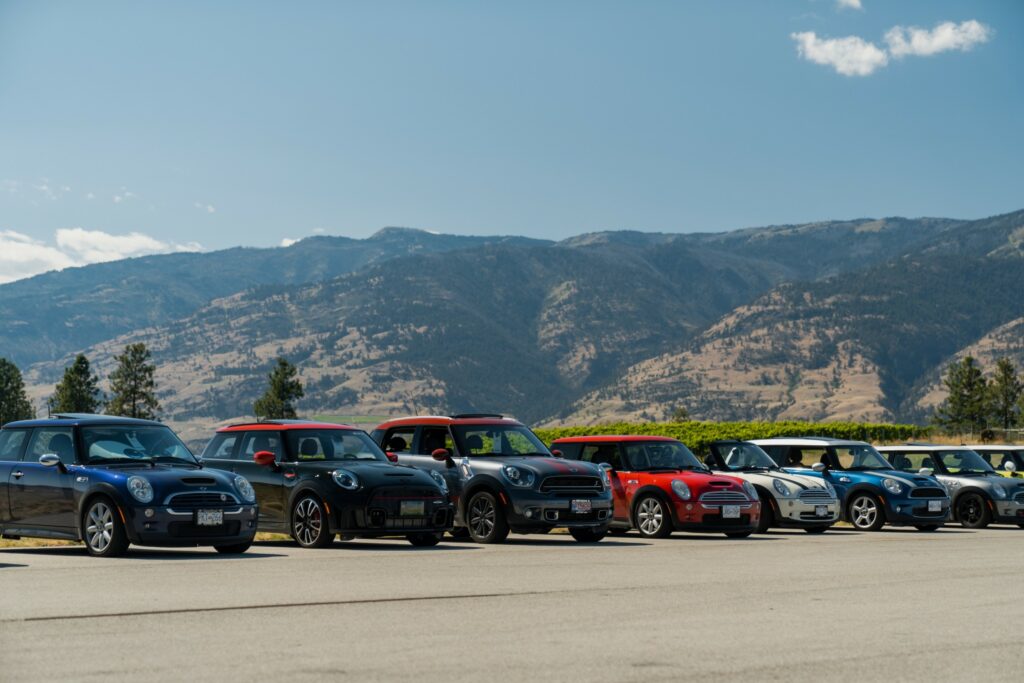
{"points": [[983, 482], [375, 473], [765, 478], [541, 466]]}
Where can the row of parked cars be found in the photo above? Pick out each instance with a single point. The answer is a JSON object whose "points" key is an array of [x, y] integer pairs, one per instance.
{"points": [[112, 481]]}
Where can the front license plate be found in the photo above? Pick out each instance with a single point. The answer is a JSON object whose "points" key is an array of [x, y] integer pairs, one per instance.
{"points": [[411, 508], [730, 512], [934, 506], [209, 517], [580, 506], [821, 511]]}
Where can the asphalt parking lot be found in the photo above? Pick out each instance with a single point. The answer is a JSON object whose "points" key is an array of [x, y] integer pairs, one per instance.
{"points": [[898, 605]]}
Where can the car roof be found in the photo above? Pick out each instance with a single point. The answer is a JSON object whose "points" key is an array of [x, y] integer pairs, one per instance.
{"points": [[81, 419], [617, 438], [283, 426], [445, 420], [806, 441], [923, 447], [996, 447]]}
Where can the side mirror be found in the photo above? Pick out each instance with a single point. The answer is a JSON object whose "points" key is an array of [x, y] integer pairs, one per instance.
{"points": [[819, 467], [557, 453], [441, 455], [391, 456], [1010, 466], [926, 471], [264, 458], [52, 460]]}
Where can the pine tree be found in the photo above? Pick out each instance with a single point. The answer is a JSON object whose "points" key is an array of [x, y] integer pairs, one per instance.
{"points": [[14, 404], [78, 391], [285, 389], [132, 385], [1006, 391], [968, 403]]}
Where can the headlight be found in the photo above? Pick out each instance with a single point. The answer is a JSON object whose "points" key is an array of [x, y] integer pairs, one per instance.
{"points": [[605, 477], [523, 478], [750, 490], [892, 486], [999, 492], [780, 487], [345, 479], [831, 489], [140, 489], [245, 488], [439, 480], [681, 489]]}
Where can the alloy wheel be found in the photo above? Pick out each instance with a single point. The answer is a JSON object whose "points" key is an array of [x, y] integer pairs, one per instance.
{"points": [[650, 516], [864, 512], [99, 528], [308, 521], [481, 516]]}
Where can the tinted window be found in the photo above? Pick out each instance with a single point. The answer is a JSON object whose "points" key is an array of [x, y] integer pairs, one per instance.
{"points": [[485, 440], [654, 455], [222, 446], [129, 442], [59, 441], [11, 441], [910, 461], [399, 440], [311, 445], [569, 450], [260, 441], [804, 457], [602, 453], [432, 438]]}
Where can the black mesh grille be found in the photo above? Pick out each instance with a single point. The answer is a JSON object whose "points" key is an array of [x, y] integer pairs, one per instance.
{"points": [[571, 484], [198, 500], [191, 530], [927, 492]]}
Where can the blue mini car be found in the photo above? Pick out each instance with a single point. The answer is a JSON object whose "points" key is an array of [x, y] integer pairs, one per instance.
{"points": [[112, 481], [871, 492]]}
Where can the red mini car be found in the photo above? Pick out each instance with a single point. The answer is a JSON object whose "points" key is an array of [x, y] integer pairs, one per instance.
{"points": [[659, 486]]}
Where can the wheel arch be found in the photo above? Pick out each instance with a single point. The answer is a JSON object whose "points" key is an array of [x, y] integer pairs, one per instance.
{"points": [[106, 490], [645, 491]]}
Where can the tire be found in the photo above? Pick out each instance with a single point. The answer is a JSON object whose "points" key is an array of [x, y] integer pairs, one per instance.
{"points": [[233, 549], [972, 511], [102, 529], [310, 528], [424, 540], [738, 534], [816, 529], [485, 519], [588, 535], [652, 517], [767, 519], [927, 527], [866, 513]]}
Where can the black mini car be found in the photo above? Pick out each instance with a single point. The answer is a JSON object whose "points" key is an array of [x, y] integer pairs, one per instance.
{"points": [[316, 480], [111, 481]]}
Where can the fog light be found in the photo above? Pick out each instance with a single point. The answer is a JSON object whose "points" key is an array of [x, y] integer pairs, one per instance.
{"points": [[689, 506], [149, 512], [529, 513], [148, 525]]}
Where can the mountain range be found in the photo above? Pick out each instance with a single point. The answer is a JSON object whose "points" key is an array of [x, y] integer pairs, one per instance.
{"points": [[830, 320]]}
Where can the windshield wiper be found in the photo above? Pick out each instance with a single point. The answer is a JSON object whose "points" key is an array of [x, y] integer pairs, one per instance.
{"points": [[118, 461], [665, 469], [174, 460]]}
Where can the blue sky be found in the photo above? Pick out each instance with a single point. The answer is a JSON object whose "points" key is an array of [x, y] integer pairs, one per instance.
{"points": [[129, 127]]}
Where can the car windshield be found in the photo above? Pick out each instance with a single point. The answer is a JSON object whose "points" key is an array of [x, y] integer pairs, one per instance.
{"points": [[127, 443], [860, 457], [744, 456], [963, 462], [656, 455], [309, 445], [477, 440]]}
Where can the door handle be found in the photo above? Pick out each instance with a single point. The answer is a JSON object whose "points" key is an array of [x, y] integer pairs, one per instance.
{"points": [[18, 475]]}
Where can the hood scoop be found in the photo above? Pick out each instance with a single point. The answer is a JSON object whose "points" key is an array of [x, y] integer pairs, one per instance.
{"points": [[399, 474], [719, 483], [198, 481]]}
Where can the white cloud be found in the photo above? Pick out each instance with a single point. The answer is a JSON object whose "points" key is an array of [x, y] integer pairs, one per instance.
{"points": [[946, 36], [849, 4], [288, 241], [850, 56], [90, 196], [208, 208], [319, 231], [22, 256]]}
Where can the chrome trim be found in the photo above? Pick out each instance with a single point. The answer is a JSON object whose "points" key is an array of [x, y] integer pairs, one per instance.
{"points": [[724, 498], [231, 498]]}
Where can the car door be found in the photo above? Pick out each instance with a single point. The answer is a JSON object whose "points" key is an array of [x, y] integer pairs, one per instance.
{"points": [[12, 443], [268, 482], [610, 454], [43, 496]]}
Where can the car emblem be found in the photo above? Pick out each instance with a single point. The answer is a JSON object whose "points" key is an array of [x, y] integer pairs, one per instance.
{"points": [[573, 469], [223, 497]]}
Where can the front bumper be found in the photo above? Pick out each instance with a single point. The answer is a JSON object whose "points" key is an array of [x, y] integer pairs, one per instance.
{"points": [[1008, 511], [703, 517], [907, 511], [383, 514], [532, 510], [167, 526], [794, 512]]}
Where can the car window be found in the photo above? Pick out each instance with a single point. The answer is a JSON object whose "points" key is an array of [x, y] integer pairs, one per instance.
{"points": [[399, 440], [571, 451], [997, 459], [11, 441], [432, 438], [804, 457], [59, 441], [260, 441], [313, 445], [221, 447], [909, 461], [602, 453]]}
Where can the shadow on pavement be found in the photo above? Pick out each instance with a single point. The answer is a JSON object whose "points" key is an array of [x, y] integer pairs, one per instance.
{"points": [[4, 565], [141, 553], [394, 545]]}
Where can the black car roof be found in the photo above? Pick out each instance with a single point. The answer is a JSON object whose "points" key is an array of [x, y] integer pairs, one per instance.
{"points": [[79, 419]]}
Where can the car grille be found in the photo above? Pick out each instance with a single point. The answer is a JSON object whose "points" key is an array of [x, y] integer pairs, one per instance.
{"points": [[719, 521], [1019, 498], [197, 500], [723, 498], [198, 481], [571, 484], [816, 496], [384, 509], [927, 492], [191, 530]]}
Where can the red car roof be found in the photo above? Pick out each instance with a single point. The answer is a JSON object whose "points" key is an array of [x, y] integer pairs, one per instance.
{"points": [[616, 438], [445, 420], [270, 425]]}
